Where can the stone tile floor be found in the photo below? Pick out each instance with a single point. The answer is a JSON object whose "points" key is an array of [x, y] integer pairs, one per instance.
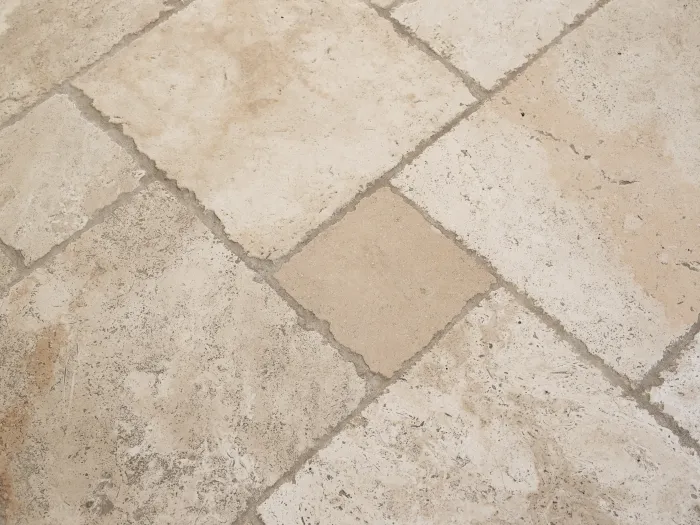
{"points": [[337, 262]]}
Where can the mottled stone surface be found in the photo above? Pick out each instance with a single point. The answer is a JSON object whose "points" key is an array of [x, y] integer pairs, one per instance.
{"points": [[7, 271], [679, 394], [580, 182], [56, 170], [275, 113], [44, 42], [385, 280], [148, 376], [487, 39], [500, 423]]}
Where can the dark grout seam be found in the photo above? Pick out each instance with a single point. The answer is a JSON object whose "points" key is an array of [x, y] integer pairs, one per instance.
{"points": [[669, 361], [627, 388], [354, 418], [175, 6], [14, 255]]}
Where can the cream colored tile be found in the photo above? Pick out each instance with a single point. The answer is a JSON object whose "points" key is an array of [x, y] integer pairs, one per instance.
{"points": [[679, 394], [7, 271], [56, 170], [275, 113], [499, 423], [580, 183], [487, 39], [147, 376], [384, 279], [44, 42]]}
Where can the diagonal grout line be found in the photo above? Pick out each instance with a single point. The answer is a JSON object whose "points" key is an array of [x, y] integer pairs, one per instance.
{"points": [[14, 255], [355, 416], [396, 3], [579, 347], [164, 15], [409, 157], [669, 361]]}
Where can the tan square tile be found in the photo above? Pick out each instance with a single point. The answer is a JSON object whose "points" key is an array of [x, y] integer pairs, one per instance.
{"points": [[580, 182], [500, 423], [44, 42], [275, 113], [148, 376], [56, 170], [385, 280]]}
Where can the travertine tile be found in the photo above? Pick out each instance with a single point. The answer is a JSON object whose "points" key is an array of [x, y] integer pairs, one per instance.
{"points": [[275, 113], [146, 376], [500, 423], [56, 170], [487, 39], [7, 271], [679, 394], [584, 191], [384, 279], [44, 42]]}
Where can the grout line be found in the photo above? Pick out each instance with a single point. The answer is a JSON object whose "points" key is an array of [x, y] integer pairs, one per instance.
{"points": [[188, 199], [396, 3], [579, 347], [409, 157], [177, 6], [669, 361], [14, 255], [476, 89], [355, 416]]}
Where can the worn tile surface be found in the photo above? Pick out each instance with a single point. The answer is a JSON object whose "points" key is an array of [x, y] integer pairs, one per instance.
{"points": [[384, 279], [149, 377], [275, 114], [7, 271], [487, 39], [679, 395], [44, 42], [56, 170], [500, 423], [584, 191]]}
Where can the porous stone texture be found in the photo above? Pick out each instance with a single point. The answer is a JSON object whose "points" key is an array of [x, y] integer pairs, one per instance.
{"points": [[679, 394], [7, 271], [275, 113], [148, 376], [500, 423], [56, 170], [487, 39], [385, 280], [584, 192], [44, 42]]}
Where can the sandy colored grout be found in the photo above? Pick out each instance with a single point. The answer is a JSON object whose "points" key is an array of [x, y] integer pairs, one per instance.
{"points": [[14, 255], [354, 418], [175, 6], [669, 361]]}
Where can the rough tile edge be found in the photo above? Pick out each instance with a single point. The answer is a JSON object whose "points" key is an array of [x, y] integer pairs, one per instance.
{"points": [[172, 7]]}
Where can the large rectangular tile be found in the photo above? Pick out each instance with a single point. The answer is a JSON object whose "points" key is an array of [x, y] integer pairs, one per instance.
{"points": [[580, 182], [500, 423], [147, 376], [275, 114], [679, 394], [44, 42], [56, 170], [487, 39]]}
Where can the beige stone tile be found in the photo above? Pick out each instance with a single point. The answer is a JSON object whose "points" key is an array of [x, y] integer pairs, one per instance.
{"points": [[499, 423], [56, 170], [275, 113], [487, 39], [147, 376], [385, 280], [580, 183], [7, 271], [679, 394], [44, 42]]}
